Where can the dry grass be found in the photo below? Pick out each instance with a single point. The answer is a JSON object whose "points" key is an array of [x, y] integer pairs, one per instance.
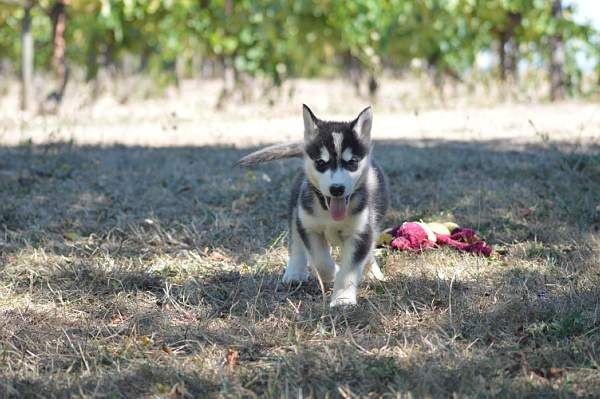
{"points": [[139, 271], [134, 271]]}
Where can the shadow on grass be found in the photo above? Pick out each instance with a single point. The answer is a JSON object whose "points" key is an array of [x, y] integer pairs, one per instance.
{"points": [[139, 201], [165, 381], [88, 231]]}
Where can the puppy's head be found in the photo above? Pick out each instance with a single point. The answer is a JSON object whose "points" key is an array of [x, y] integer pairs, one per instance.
{"points": [[336, 157]]}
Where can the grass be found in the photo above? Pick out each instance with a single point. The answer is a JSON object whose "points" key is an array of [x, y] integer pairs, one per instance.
{"points": [[132, 271]]}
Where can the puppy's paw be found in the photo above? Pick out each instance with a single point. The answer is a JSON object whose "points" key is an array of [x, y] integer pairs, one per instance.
{"points": [[374, 272], [294, 276], [343, 298]]}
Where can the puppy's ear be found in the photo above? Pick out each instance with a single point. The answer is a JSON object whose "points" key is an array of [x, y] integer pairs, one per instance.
{"points": [[310, 123], [363, 123]]}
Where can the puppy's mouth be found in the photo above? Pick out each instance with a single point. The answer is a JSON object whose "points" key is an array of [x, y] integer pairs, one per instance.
{"points": [[337, 206]]}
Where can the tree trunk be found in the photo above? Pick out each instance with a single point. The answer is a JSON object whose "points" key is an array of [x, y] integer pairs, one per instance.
{"points": [[354, 70], [26, 59], [512, 58], [91, 67], [229, 81], [508, 46], [180, 69], [557, 57], [228, 7], [502, 56], [230, 75], [373, 87], [58, 16], [512, 43], [59, 24]]}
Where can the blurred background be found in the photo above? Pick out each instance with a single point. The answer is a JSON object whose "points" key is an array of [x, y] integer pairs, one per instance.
{"points": [[168, 62]]}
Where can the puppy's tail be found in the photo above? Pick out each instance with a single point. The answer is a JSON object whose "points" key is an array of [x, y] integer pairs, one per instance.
{"points": [[292, 149]]}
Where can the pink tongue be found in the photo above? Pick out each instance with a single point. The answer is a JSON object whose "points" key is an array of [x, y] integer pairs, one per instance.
{"points": [[337, 207]]}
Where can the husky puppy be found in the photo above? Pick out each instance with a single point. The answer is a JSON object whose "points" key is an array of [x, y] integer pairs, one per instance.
{"points": [[338, 198]]}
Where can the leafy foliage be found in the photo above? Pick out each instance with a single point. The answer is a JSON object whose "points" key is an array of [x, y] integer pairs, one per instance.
{"points": [[281, 38]]}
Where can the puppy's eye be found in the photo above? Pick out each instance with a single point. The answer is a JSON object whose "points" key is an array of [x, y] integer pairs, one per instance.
{"points": [[351, 164], [319, 163]]}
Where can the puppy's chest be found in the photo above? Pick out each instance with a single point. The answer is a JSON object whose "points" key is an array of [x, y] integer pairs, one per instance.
{"points": [[336, 236], [335, 232]]}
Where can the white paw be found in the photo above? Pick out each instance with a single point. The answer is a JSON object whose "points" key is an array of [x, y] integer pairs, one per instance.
{"points": [[294, 276], [343, 298], [375, 273]]}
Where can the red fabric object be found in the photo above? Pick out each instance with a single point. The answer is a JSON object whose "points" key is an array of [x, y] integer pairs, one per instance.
{"points": [[465, 235], [480, 248], [443, 239], [410, 236], [413, 236]]}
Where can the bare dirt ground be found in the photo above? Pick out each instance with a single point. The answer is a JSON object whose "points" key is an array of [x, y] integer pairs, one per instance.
{"points": [[405, 111], [136, 262]]}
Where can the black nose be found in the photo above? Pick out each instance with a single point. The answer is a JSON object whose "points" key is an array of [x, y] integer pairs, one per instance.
{"points": [[337, 190]]}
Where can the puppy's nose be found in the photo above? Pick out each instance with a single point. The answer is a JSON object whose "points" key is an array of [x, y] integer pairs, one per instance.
{"points": [[336, 190]]}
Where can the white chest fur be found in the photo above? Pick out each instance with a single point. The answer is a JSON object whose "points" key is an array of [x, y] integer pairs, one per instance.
{"points": [[335, 231]]}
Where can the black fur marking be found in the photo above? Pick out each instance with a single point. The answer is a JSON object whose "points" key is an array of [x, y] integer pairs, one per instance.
{"points": [[364, 243], [321, 165], [302, 233], [296, 191], [307, 200], [319, 196], [360, 198], [313, 149], [324, 139], [359, 148], [382, 199], [351, 165]]}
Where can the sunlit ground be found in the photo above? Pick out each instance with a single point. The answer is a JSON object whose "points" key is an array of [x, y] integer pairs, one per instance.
{"points": [[133, 112]]}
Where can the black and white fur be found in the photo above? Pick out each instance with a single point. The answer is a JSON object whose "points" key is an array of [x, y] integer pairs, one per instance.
{"points": [[339, 197]]}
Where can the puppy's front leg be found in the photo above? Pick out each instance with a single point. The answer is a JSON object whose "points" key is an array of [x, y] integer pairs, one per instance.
{"points": [[355, 252], [297, 267], [319, 253], [303, 242]]}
